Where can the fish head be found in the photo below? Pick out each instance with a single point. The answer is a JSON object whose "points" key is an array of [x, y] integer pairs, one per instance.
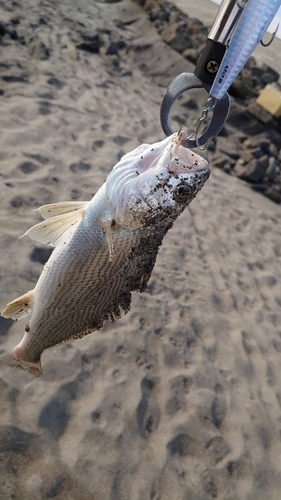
{"points": [[155, 181]]}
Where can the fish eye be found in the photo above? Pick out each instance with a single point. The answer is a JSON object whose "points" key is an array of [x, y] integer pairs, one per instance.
{"points": [[182, 193]]}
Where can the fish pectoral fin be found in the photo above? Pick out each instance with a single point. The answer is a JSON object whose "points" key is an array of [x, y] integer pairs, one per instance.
{"points": [[57, 228], [19, 308], [64, 207], [32, 367], [107, 229]]}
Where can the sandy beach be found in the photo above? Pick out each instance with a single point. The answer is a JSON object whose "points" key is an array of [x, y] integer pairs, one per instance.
{"points": [[181, 398]]}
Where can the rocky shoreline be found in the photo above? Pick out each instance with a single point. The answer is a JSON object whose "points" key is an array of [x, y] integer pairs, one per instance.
{"points": [[249, 144]]}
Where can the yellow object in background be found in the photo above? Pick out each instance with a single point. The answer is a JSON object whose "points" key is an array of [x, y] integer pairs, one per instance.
{"points": [[270, 99]]}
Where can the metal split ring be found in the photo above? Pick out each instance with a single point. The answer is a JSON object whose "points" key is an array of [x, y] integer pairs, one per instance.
{"points": [[180, 84]]}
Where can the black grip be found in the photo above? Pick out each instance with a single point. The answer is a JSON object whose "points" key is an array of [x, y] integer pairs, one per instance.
{"points": [[209, 61]]}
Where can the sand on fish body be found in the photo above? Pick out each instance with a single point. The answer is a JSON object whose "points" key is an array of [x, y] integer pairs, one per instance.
{"points": [[105, 248]]}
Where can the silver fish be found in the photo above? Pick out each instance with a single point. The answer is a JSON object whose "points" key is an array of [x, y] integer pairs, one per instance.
{"points": [[104, 248]]}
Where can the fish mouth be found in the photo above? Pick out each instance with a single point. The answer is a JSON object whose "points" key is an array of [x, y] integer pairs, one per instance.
{"points": [[185, 160]]}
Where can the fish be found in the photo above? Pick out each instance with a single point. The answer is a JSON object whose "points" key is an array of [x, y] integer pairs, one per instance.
{"points": [[105, 248]]}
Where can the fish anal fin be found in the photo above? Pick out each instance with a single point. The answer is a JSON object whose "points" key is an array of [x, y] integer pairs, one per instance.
{"points": [[55, 229], [19, 308], [64, 207], [32, 367]]}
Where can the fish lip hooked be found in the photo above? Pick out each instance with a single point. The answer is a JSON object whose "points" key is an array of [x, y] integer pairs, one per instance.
{"points": [[190, 162]]}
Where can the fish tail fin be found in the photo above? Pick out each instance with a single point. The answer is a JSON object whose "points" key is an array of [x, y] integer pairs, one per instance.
{"points": [[9, 359]]}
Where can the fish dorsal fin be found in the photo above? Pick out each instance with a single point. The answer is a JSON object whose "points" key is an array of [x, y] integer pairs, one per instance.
{"points": [[57, 228], [64, 207], [19, 308]]}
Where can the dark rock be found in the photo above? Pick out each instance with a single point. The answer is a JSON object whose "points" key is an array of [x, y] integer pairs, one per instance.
{"points": [[227, 168], [158, 13], [274, 135], [15, 20], [7, 29], [220, 161], [260, 113], [240, 119], [259, 141], [14, 36], [92, 43], [89, 47], [195, 26], [248, 143], [267, 78], [211, 146], [43, 21], [142, 47], [245, 155], [115, 47], [273, 193], [56, 83], [95, 37], [177, 36], [271, 170], [254, 171], [224, 133], [230, 147], [241, 90], [192, 55], [272, 150], [14, 78], [256, 152], [257, 71], [267, 70]]}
